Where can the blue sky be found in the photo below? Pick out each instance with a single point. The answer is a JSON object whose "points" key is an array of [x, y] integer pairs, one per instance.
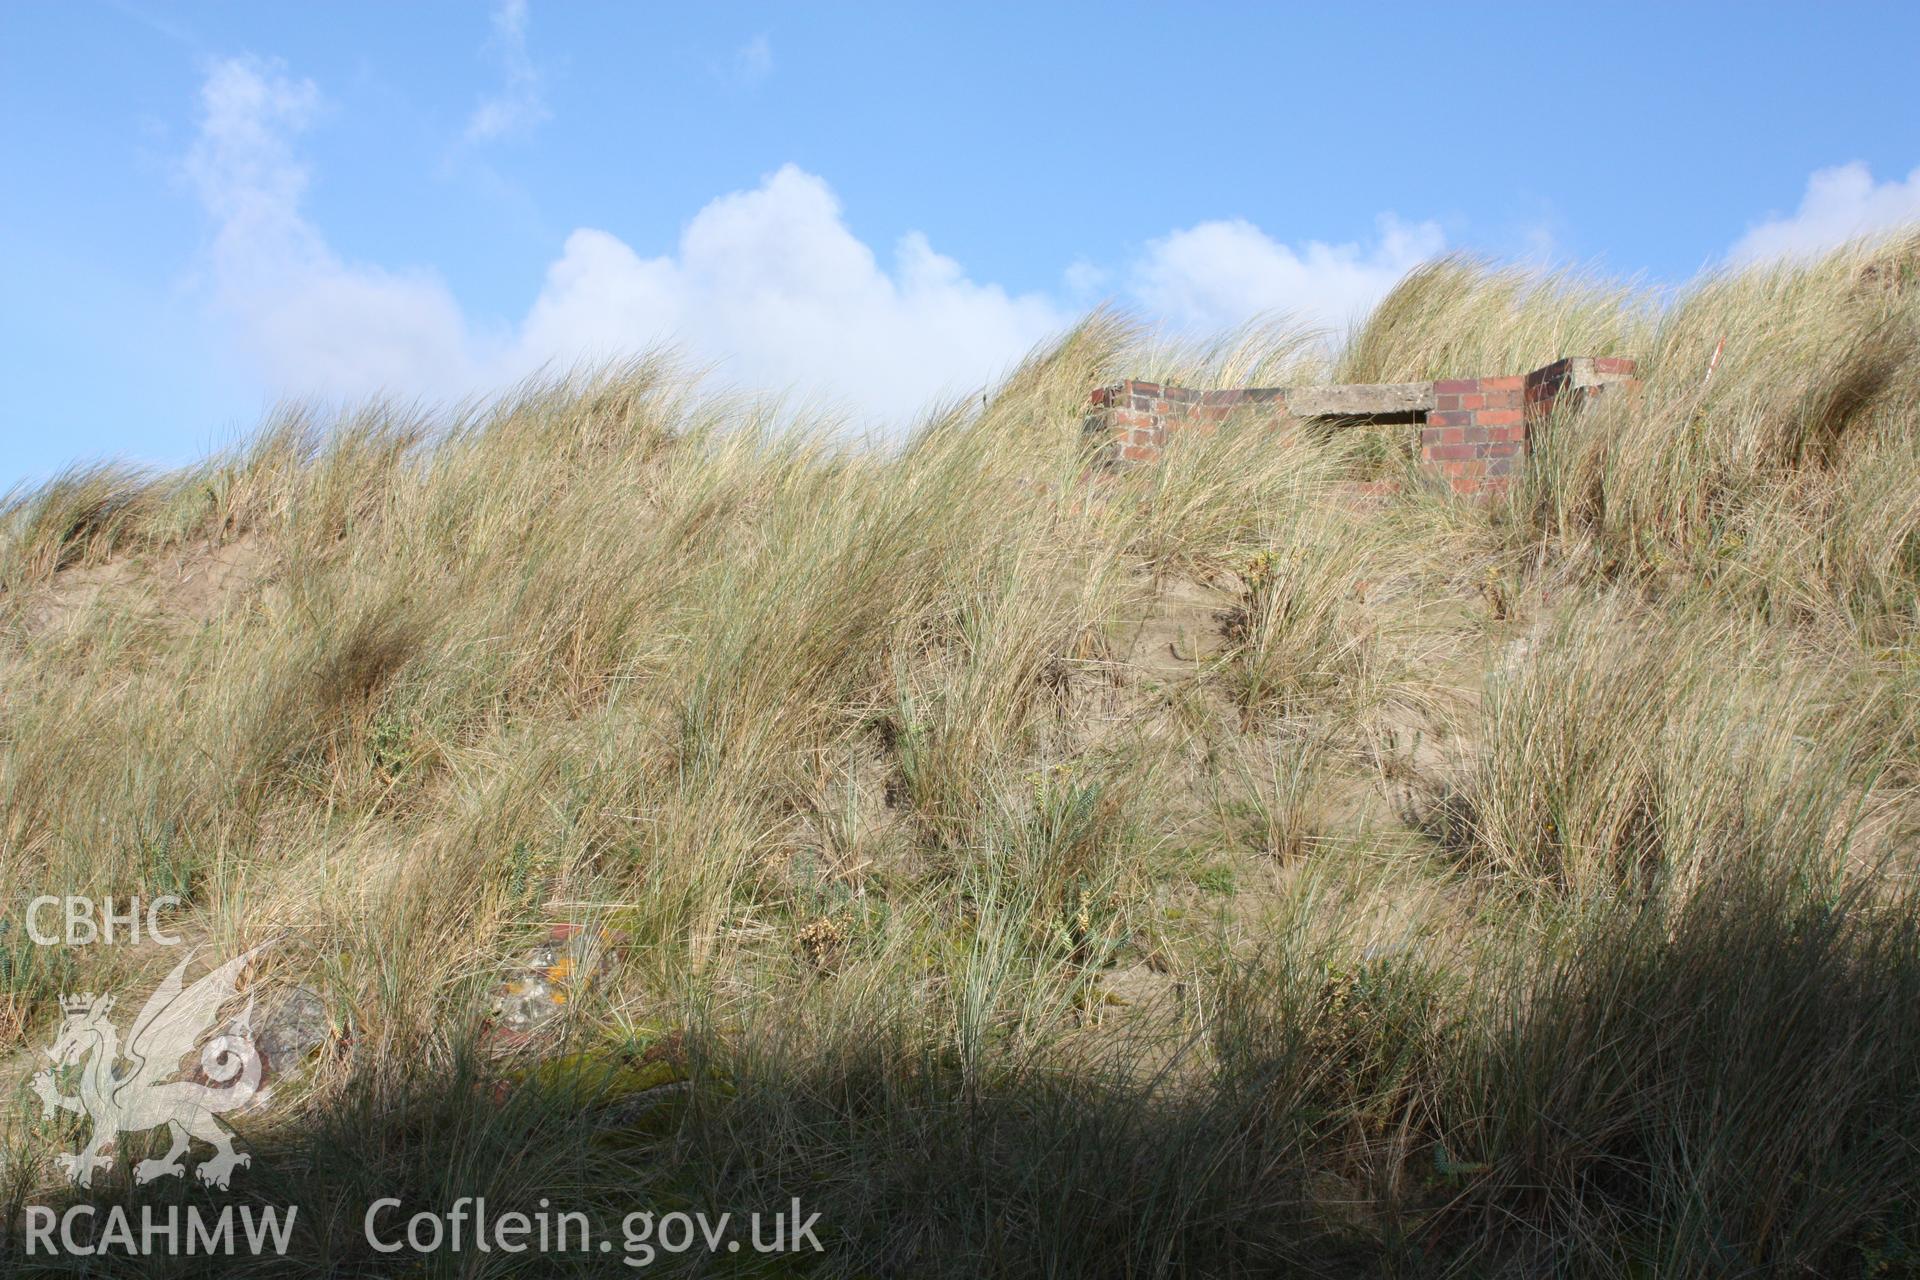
{"points": [[211, 206]]}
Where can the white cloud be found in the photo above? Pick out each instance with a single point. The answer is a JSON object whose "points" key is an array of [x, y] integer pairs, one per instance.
{"points": [[312, 323], [520, 105], [772, 284], [768, 285], [753, 61], [1215, 275], [1840, 204], [1084, 279]]}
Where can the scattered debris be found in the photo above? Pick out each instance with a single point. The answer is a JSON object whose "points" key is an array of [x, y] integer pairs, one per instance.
{"points": [[620, 1086], [552, 974], [288, 1027], [293, 1025]]}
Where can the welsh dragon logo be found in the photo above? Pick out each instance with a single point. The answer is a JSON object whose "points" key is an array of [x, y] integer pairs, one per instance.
{"points": [[142, 1097]]}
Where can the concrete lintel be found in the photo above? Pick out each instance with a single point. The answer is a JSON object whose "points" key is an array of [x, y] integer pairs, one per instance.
{"points": [[1583, 371], [1359, 399]]}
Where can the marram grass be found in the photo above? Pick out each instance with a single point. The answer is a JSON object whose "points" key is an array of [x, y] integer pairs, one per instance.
{"points": [[1184, 871]]}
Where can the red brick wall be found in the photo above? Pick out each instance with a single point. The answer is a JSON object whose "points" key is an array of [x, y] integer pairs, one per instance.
{"points": [[1129, 421], [1475, 435], [1571, 382]]}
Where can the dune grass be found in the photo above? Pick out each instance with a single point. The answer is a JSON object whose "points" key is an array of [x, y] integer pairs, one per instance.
{"points": [[1186, 870]]}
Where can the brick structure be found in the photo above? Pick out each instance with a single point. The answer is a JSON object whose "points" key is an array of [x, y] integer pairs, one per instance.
{"points": [[1571, 382], [1132, 418], [1476, 431], [1472, 431]]}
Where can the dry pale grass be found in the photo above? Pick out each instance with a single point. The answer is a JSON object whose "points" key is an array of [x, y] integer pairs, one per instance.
{"points": [[1507, 889]]}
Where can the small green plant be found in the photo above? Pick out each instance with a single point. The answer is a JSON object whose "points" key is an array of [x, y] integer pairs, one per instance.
{"points": [[524, 877], [169, 867], [390, 744], [1217, 877], [1273, 811], [31, 976]]}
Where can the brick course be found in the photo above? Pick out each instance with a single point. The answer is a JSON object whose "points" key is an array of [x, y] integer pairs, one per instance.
{"points": [[1475, 435]]}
